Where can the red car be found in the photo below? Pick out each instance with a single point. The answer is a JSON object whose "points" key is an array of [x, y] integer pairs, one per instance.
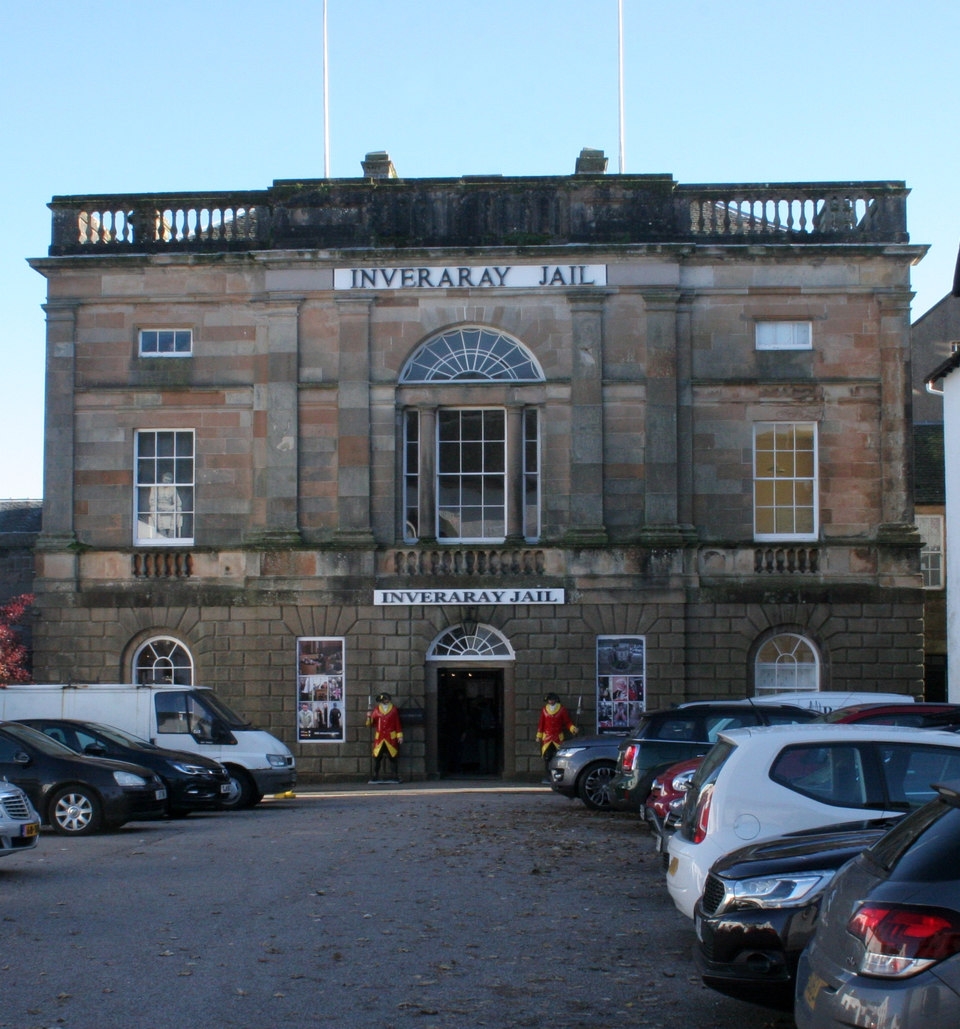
{"points": [[921, 715], [666, 798]]}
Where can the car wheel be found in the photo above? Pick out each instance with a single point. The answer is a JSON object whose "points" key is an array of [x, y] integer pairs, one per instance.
{"points": [[75, 811], [593, 786], [243, 791]]}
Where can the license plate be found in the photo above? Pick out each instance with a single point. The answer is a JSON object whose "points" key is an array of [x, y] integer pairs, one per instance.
{"points": [[812, 990], [161, 794], [30, 829], [224, 787]]}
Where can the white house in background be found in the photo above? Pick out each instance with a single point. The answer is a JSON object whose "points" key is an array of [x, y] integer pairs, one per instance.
{"points": [[941, 379]]}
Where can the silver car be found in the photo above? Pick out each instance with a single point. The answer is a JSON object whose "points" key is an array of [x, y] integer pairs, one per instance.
{"points": [[19, 823], [585, 766]]}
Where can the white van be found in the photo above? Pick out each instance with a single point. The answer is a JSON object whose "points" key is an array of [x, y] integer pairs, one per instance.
{"points": [[827, 701], [191, 718]]}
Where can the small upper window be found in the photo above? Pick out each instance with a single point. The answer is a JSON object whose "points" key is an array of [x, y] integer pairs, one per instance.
{"points": [[784, 335], [931, 554], [166, 342]]}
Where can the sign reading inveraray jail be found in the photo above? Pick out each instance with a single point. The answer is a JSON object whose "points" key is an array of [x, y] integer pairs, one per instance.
{"points": [[526, 595], [522, 276]]}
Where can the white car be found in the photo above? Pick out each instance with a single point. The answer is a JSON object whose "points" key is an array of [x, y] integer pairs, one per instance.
{"points": [[758, 783], [19, 823]]}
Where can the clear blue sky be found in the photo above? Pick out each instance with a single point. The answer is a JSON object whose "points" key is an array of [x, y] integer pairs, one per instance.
{"points": [[103, 96]]}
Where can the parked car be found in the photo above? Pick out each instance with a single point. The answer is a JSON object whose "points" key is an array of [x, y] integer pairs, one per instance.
{"points": [[759, 908], [664, 804], [584, 766], [921, 715], [19, 823], [662, 738], [759, 783], [193, 782], [886, 949], [662, 808], [75, 794]]}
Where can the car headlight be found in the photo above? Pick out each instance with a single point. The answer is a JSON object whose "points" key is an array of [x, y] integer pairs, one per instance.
{"points": [[776, 891], [569, 751], [189, 769], [129, 779], [277, 760]]}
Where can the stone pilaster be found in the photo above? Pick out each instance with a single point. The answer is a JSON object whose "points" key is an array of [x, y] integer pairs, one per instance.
{"points": [[59, 428], [276, 432], [661, 414], [586, 421], [354, 525]]}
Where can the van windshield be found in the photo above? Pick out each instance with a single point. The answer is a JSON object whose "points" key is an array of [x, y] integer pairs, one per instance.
{"points": [[226, 714], [201, 714]]}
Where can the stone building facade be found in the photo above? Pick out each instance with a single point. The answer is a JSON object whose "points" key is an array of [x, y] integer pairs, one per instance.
{"points": [[471, 440]]}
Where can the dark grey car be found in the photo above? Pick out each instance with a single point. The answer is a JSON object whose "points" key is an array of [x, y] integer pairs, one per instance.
{"points": [[584, 767], [886, 950]]}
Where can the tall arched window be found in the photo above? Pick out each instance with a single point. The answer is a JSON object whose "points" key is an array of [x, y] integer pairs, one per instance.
{"points": [[471, 471], [787, 663], [163, 660]]}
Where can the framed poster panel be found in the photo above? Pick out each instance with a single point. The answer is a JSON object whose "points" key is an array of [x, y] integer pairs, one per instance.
{"points": [[321, 671], [621, 681]]}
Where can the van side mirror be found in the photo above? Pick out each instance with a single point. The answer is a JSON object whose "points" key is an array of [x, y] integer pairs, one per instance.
{"points": [[95, 749]]}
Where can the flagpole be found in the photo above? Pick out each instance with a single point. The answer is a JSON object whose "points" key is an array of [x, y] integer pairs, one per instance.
{"points": [[619, 25], [326, 103]]}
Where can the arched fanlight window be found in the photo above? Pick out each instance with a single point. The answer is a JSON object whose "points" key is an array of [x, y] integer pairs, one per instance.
{"points": [[476, 642], [163, 660], [471, 355], [787, 663]]}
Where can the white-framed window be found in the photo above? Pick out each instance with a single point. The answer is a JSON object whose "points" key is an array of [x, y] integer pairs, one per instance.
{"points": [[930, 528], [166, 342], [785, 495], [163, 660], [164, 491], [784, 335], [471, 473], [786, 663], [472, 484]]}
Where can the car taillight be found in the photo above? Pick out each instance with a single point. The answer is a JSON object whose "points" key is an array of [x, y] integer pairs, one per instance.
{"points": [[901, 941], [702, 814], [629, 757]]}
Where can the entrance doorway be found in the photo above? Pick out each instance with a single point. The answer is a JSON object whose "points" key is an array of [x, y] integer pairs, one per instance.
{"points": [[469, 722]]}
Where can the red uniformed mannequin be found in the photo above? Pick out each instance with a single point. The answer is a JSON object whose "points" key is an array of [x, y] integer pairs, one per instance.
{"points": [[387, 735], [555, 722]]}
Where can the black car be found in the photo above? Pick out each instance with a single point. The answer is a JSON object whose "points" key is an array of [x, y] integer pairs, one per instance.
{"points": [[74, 794], [193, 782], [759, 908], [663, 738]]}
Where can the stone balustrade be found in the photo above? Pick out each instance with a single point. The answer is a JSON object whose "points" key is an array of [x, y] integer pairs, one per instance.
{"points": [[518, 212]]}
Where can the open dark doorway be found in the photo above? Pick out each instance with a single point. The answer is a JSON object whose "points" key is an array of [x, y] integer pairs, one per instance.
{"points": [[470, 722]]}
